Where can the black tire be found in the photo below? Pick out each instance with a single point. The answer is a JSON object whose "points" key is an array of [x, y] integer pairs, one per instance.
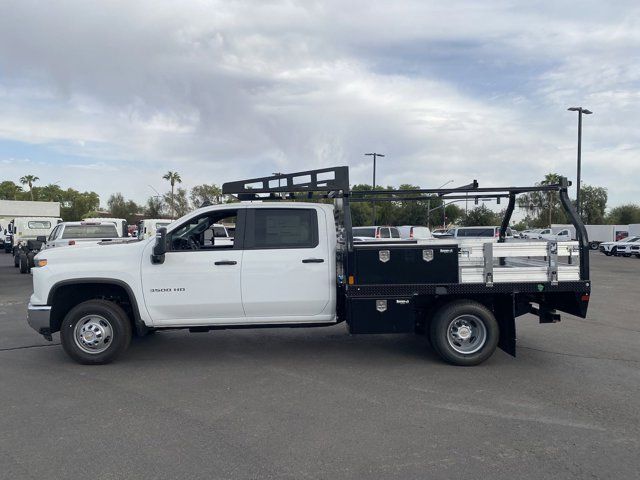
{"points": [[637, 256], [466, 311], [23, 263], [594, 245], [118, 324]]}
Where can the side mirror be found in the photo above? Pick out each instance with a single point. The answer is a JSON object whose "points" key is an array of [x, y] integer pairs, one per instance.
{"points": [[41, 238], [160, 248]]}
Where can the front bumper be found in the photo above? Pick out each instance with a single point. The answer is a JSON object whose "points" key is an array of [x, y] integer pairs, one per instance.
{"points": [[38, 317]]}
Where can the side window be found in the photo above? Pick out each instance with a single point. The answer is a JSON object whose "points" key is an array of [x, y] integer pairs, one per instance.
{"points": [[394, 232], [198, 232], [281, 228], [384, 233]]}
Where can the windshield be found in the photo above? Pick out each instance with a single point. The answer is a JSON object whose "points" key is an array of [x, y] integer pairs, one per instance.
{"points": [[90, 231]]}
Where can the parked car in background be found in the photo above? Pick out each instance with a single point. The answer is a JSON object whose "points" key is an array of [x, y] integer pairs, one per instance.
{"points": [[78, 233], [627, 249], [563, 235], [219, 235], [149, 226], [480, 232], [375, 233], [611, 248], [414, 232], [442, 232]]}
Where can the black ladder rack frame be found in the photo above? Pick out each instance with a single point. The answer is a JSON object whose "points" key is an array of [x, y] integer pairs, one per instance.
{"points": [[333, 183]]}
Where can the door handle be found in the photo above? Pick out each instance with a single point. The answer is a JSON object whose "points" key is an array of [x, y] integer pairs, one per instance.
{"points": [[313, 260], [225, 262]]}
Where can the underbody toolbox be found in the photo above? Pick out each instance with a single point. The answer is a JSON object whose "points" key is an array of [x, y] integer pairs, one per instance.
{"points": [[370, 315]]}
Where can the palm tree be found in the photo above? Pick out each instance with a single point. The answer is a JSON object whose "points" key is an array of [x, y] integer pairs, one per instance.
{"points": [[29, 180], [173, 178]]}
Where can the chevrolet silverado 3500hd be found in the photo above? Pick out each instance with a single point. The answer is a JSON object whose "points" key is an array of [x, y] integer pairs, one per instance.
{"points": [[295, 264]]}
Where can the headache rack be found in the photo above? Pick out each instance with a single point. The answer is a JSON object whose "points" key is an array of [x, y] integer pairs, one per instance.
{"points": [[480, 262]]}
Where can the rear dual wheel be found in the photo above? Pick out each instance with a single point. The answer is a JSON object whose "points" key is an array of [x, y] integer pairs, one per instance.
{"points": [[464, 332]]}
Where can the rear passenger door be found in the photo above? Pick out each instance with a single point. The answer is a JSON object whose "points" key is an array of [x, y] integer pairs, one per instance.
{"points": [[285, 270]]}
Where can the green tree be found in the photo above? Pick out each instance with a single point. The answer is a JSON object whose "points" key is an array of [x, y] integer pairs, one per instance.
{"points": [[76, 205], [172, 178], [544, 208], [9, 190], [121, 208], [593, 204], [154, 207], [481, 216], [624, 214], [178, 202], [29, 180], [49, 193], [205, 193]]}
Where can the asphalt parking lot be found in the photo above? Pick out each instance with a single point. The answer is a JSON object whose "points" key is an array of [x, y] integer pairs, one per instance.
{"points": [[318, 403]]}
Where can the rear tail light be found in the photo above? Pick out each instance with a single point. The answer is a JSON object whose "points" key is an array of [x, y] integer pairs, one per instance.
{"points": [[72, 242], [411, 233]]}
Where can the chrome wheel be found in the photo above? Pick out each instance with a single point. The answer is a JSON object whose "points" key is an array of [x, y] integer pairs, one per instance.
{"points": [[466, 334], [93, 334]]}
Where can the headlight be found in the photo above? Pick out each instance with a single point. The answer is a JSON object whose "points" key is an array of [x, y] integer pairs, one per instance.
{"points": [[40, 262]]}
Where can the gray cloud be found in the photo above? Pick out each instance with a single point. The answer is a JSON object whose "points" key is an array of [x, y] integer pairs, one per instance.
{"points": [[219, 90]]}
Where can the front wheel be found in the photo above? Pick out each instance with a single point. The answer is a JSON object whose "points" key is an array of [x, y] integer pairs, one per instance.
{"points": [[464, 332], [594, 245], [95, 332]]}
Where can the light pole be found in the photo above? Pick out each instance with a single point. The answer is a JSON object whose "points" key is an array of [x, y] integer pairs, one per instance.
{"points": [[429, 204], [374, 155], [580, 111]]}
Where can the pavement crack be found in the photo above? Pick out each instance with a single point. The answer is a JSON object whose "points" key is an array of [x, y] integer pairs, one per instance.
{"points": [[28, 346], [564, 354]]}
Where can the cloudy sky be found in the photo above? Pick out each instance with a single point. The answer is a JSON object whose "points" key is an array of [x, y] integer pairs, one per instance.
{"points": [[109, 97]]}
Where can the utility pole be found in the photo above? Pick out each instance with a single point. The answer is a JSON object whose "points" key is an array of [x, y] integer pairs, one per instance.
{"points": [[580, 111], [374, 155]]}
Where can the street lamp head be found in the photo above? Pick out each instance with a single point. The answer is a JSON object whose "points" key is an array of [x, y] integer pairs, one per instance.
{"points": [[580, 109], [372, 154]]}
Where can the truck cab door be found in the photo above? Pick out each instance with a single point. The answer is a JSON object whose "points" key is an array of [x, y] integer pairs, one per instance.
{"points": [[199, 282], [286, 269]]}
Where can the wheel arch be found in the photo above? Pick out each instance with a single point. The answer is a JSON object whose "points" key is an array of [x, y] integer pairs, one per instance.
{"points": [[504, 306], [66, 294]]}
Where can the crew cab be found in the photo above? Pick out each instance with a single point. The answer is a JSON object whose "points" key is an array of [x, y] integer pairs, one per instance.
{"points": [[295, 264], [79, 233]]}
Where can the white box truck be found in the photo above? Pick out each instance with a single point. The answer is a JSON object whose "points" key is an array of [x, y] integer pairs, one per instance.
{"points": [[597, 233]]}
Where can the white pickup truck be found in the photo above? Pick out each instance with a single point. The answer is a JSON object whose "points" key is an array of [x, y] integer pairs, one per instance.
{"points": [[294, 264]]}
